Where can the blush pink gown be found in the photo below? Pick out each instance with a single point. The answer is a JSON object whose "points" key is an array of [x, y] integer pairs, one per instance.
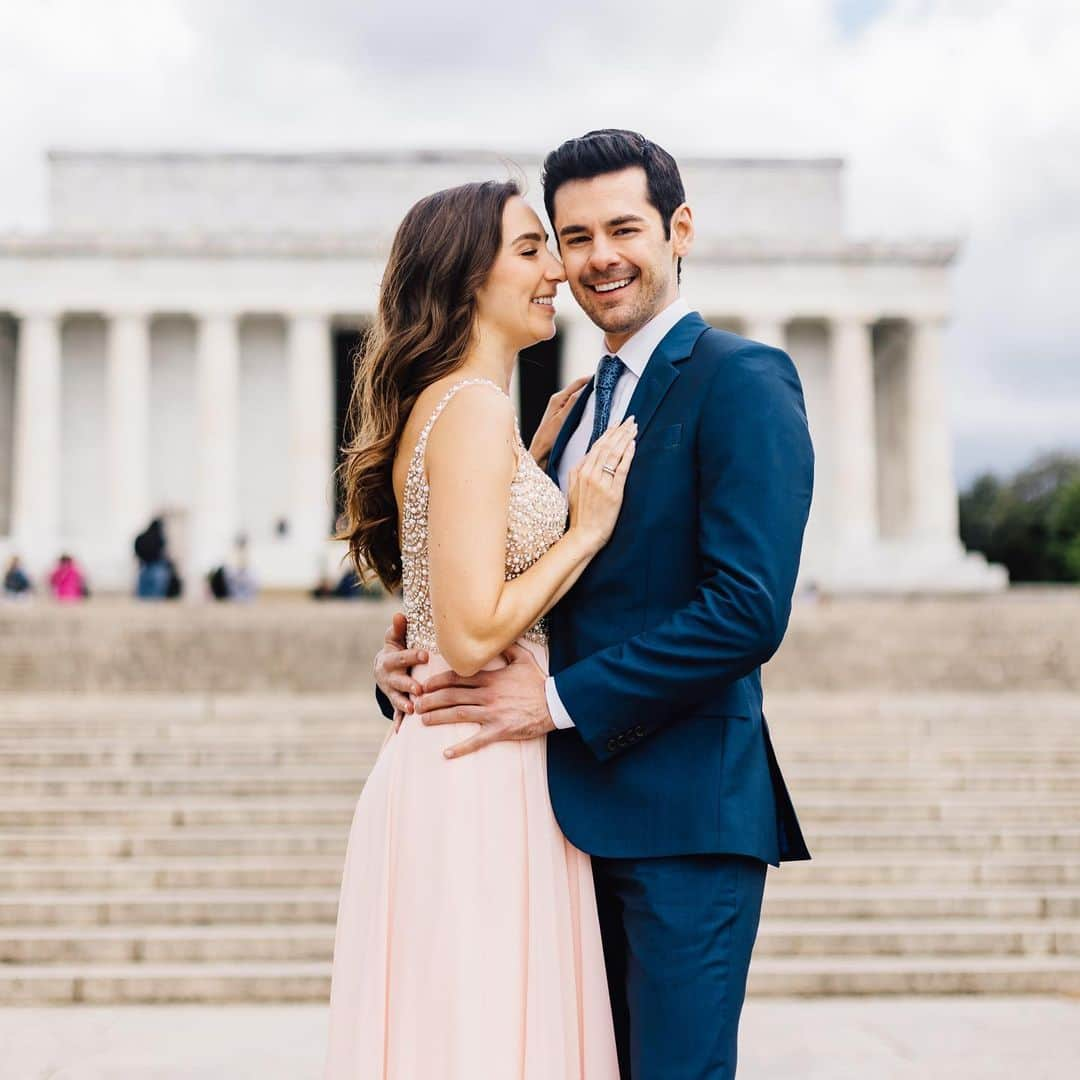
{"points": [[467, 943]]}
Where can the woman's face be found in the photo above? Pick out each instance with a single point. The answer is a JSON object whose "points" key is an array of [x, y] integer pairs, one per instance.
{"points": [[517, 301]]}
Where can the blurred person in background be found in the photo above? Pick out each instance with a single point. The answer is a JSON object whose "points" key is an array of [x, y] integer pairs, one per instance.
{"points": [[155, 568], [17, 584], [67, 581], [240, 581]]}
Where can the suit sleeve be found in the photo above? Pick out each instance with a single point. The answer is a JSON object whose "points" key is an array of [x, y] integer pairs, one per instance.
{"points": [[755, 467], [384, 704]]}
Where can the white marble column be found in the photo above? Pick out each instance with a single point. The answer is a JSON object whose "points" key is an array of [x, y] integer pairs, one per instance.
{"points": [[37, 480], [851, 424], [311, 433], [768, 329], [934, 515], [128, 408], [581, 346], [217, 377]]}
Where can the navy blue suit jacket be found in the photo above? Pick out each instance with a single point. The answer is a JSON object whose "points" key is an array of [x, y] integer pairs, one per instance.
{"points": [[657, 649]]}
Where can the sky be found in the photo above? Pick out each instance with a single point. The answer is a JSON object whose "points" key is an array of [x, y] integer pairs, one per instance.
{"points": [[958, 118]]}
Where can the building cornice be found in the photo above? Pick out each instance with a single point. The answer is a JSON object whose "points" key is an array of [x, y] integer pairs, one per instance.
{"points": [[924, 252], [402, 156]]}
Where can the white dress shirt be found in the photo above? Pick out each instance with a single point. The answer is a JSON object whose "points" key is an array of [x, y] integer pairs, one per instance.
{"points": [[634, 355]]}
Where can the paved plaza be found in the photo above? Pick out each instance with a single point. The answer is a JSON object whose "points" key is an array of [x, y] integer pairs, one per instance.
{"points": [[961, 1038]]}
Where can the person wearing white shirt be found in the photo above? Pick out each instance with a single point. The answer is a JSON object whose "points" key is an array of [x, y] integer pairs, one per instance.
{"points": [[634, 355], [659, 762]]}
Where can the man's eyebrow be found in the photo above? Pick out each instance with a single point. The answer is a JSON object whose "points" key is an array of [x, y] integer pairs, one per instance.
{"points": [[613, 223], [538, 238]]}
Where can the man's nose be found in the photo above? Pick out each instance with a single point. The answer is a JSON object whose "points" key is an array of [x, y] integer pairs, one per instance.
{"points": [[603, 254]]}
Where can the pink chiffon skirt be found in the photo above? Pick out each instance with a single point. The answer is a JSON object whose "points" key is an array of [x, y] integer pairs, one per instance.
{"points": [[467, 943]]}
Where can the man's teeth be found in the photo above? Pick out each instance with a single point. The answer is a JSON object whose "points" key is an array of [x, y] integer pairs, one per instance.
{"points": [[610, 285], [545, 300]]}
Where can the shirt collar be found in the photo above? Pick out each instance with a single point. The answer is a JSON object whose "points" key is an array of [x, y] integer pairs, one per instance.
{"points": [[637, 350]]}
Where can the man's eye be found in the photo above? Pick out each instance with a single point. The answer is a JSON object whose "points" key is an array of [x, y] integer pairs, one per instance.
{"points": [[618, 231], [577, 240]]}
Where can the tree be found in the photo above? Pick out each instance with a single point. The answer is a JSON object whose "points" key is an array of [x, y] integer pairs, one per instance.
{"points": [[1029, 523], [1065, 528]]}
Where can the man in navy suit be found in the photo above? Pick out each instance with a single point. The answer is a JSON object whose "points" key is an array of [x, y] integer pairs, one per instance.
{"points": [[659, 759]]}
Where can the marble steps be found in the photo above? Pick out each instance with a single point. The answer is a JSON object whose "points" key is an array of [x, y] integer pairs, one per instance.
{"points": [[194, 983], [78, 873], [924, 901], [310, 981], [858, 975], [176, 829], [795, 901], [194, 729], [798, 754], [910, 784], [986, 809], [63, 842], [1022, 639], [927, 839], [172, 875], [826, 841], [303, 942], [910, 713], [876, 868]]}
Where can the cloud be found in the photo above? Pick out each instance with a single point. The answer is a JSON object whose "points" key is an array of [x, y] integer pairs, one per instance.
{"points": [[956, 116]]}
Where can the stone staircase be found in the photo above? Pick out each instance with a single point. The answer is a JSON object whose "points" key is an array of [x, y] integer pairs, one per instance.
{"points": [[175, 798]]}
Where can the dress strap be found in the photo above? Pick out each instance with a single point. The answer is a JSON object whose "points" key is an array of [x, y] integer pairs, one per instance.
{"points": [[421, 442]]}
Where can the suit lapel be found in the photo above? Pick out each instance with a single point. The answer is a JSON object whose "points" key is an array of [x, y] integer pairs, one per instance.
{"points": [[569, 427], [661, 371]]}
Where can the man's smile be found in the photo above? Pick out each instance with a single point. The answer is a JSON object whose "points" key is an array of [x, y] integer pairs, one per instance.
{"points": [[612, 286]]}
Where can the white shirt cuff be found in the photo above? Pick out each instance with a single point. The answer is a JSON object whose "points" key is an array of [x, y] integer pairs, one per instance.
{"points": [[559, 715]]}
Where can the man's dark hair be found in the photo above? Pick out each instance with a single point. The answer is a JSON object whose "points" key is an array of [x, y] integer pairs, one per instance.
{"points": [[612, 150]]}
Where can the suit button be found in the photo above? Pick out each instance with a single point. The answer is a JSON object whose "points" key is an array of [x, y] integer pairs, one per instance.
{"points": [[612, 745], [639, 731]]}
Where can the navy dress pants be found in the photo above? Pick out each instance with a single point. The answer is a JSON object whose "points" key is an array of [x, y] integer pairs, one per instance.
{"points": [[678, 932]]}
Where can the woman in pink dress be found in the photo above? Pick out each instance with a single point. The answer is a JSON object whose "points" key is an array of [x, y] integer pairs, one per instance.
{"points": [[467, 943]]}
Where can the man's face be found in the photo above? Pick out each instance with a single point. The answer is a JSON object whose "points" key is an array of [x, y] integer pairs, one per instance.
{"points": [[620, 266]]}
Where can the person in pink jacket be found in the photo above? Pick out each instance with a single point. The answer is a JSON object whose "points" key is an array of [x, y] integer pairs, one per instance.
{"points": [[67, 581]]}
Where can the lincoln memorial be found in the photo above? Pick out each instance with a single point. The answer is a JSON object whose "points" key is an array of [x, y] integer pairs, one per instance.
{"points": [[180, 339]]}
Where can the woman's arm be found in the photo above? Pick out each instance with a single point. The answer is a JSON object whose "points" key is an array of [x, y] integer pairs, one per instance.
{"points": [[471, 459]]}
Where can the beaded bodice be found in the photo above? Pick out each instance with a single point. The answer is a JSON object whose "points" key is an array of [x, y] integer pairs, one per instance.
{"points": [[536, 519]]}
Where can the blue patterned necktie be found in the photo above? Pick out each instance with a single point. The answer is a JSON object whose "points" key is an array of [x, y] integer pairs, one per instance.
{"points": [[611, 367]]}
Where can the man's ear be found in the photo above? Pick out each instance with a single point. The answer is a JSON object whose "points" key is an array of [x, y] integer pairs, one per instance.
{"points": [[682, 231]]}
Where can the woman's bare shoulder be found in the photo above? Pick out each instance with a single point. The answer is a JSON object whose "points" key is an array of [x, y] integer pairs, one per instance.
{"points": [[478, 417], [477, 420]]}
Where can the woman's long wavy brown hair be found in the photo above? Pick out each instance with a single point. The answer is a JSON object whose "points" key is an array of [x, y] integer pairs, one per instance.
{"points": [[442, 253]]}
